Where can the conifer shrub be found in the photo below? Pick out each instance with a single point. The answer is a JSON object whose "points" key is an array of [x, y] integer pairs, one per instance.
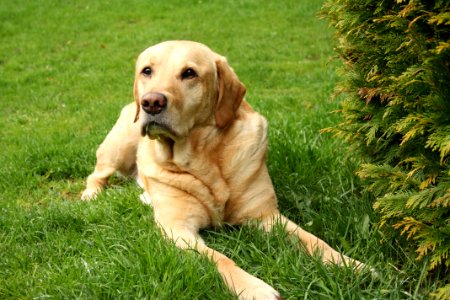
{"points": [[395, 106]]}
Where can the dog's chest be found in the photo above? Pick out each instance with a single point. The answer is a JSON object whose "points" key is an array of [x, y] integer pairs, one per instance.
{"points": [[203, 166], [192, 173], [217, 171]]}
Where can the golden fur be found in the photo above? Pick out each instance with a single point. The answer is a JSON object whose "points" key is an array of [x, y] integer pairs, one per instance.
{"points": [[200, 156]]}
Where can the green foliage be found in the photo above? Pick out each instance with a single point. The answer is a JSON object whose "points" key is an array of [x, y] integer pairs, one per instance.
{"points": [[396, 114]]}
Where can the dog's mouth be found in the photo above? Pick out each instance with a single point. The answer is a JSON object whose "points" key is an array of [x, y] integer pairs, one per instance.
{"points": [[156, 131]]}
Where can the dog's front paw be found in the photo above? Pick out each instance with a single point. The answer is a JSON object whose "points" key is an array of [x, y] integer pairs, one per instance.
{"points": [[259, 290], [358, 266]]}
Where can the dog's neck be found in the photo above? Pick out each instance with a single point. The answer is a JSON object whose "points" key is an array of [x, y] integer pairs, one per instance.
{"points": [[167, 143], [181, 153]]}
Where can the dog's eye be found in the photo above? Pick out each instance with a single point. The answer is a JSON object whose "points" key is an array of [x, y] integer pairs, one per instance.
{"points": [[147, 71], [188, 74]]}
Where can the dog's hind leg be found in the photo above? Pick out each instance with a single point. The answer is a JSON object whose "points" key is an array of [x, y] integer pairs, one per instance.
{"points": [[97, 180], [116, 153]]}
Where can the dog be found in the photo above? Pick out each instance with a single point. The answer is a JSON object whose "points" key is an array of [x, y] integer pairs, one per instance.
{"points": [[198, 149]]}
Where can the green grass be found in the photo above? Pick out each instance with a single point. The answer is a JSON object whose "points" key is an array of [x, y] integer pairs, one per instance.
{"points": [[66, 69]]}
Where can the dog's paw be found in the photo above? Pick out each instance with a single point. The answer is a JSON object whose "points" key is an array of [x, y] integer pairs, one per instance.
{"points": [[259, 290], [89, 194], [362, 267], [358, 266]]}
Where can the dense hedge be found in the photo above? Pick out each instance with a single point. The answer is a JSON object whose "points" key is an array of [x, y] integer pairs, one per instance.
{"points": [[396, 114]]}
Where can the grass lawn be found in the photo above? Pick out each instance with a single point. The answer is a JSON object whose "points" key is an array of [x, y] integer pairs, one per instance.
{"points": [[66, 69]]}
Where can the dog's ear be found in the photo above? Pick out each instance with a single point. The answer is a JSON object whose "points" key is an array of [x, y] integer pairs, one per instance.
{"points": [[231, 94], [136, 99]]}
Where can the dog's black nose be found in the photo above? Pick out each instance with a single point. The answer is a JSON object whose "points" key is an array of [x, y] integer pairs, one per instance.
{"points": [[153, 103]]}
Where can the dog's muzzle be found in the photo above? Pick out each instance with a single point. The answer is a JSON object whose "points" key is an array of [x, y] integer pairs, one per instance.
{"points": [[155, 123], [154, 103]]}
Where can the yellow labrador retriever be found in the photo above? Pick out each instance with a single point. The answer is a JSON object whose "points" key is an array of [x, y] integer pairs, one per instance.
{"points": [[199, 150]]}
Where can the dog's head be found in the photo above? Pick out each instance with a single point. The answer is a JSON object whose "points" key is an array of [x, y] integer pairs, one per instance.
{"points": [[180, 85]]}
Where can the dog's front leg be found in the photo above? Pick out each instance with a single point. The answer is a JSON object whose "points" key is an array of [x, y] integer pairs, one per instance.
{"points": [[311, 243], [238, 281]]}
